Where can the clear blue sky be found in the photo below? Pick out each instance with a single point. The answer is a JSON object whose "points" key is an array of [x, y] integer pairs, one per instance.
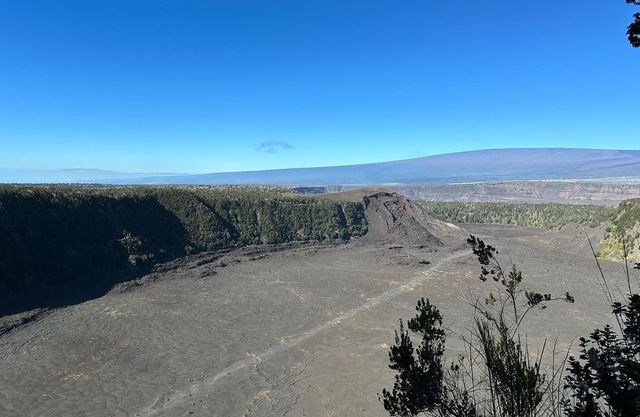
{"points": [[206, 86]]}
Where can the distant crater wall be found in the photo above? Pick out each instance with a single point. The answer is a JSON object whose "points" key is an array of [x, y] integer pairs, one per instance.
{"points": [[541, 216], [564, 192], [618, 227]]}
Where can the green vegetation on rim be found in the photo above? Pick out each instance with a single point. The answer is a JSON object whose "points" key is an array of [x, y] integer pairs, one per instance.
{"points": [[52, 234], [623, 220], [542, 216], [624, 223]]}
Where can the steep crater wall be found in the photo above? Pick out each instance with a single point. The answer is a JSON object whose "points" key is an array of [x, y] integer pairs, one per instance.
{"points": [[70, 243]]}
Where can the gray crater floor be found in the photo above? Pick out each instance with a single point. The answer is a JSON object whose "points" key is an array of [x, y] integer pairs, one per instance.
{"points": [[304, 332]]}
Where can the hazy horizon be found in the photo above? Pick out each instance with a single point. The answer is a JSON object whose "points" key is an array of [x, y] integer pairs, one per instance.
{"points": [[508, 164], [107, 171]]}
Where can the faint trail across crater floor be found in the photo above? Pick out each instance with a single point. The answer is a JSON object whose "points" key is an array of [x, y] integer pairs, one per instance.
{"points": [[173, 398]]}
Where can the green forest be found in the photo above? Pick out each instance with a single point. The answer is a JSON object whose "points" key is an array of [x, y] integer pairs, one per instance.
{"points": [[54, 234], [541, 216], [622, 236], [622, 233]]}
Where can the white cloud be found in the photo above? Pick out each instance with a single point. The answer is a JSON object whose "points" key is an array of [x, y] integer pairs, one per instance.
{"points": [[273, 146]]}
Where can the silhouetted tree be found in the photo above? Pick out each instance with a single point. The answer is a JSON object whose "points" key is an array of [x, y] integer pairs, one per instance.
{"points": [[418, 385], [633, 30]]}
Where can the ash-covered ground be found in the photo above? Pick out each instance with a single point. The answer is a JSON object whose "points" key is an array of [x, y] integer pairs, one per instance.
{"points": [[302, 331]]}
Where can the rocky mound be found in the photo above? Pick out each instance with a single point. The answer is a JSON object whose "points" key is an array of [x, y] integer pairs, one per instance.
{"points": [[392, 217]]}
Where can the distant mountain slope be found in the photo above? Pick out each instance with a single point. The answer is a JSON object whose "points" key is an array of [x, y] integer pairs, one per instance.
{"points": [[484, 165]]}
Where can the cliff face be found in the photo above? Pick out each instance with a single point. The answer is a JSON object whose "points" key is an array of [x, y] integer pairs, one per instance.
{"points": [[53, 236]]}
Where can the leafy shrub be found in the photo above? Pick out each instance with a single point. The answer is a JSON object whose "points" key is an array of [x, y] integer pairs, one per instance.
{"points": [[605, 378], [496, 376]]}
